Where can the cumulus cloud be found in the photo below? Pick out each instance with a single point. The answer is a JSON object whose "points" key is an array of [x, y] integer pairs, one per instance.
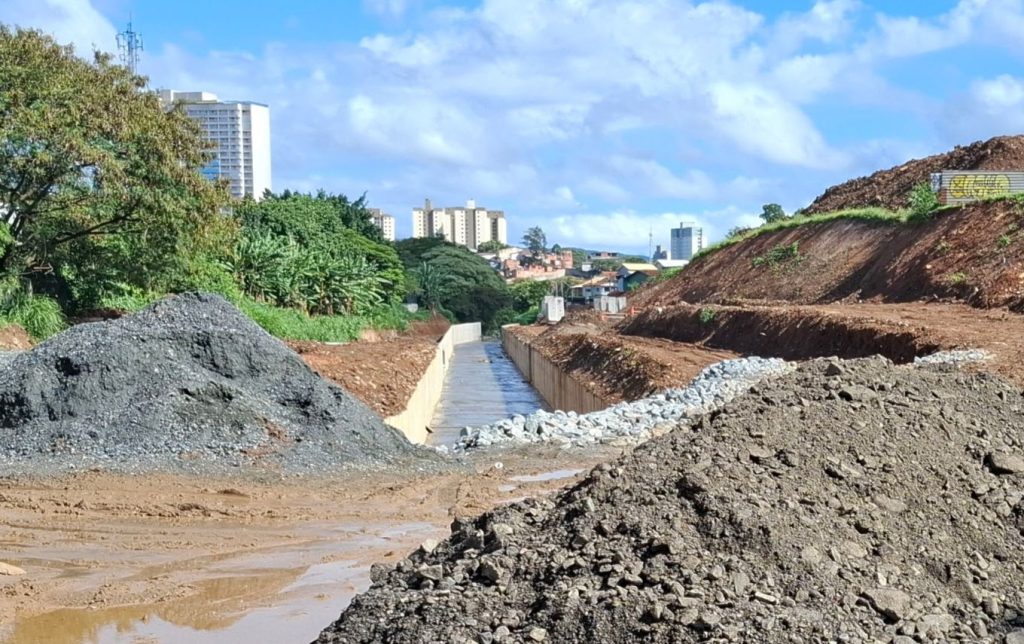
{"points": [[630, 229], [74, 22], [990, 107]]}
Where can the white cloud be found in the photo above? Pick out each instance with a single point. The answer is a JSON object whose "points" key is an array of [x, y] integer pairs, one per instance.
{"points": [[387, 8], [74, 22], [991, 107], [628, 229]]}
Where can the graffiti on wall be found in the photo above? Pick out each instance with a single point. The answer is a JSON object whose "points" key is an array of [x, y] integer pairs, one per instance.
{"points": [[978, 186]]}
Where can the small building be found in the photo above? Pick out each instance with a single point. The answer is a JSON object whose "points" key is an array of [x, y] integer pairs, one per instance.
{"points": [[630, 275], [668, 264], [593, 288]]}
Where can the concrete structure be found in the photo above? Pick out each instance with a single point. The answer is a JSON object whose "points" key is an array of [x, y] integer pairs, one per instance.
{"points": [[593, 288], [419, 410], [956, 187], [559, 389], [241, 132], [610, 304], [552, 309], [467, 225], [687, 241], [385, 222]]}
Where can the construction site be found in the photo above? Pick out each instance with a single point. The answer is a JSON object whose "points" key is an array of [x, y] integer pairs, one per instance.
{"points": [[812, 433]]}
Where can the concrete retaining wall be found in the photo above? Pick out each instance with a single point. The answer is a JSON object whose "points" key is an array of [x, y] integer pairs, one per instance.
{"points": [[420, 408], [559, 389]]}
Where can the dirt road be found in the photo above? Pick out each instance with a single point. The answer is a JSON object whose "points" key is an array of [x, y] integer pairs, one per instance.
{"points": [[113, 559]]}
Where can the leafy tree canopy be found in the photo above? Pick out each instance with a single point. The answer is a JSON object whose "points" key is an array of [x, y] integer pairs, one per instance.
{"points": [[100, 185], [491, 246], [772, 212]]}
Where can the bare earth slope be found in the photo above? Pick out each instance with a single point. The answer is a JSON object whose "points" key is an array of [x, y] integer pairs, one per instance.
{"points": [[972, 254], [890, 188]]}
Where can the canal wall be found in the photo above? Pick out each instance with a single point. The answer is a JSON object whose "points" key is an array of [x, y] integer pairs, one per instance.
{"points": [[558, 389], [413, 420]]}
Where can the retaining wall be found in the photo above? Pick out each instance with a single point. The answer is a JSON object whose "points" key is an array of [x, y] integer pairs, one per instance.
{"points": [[559, 389], [420, 408]]}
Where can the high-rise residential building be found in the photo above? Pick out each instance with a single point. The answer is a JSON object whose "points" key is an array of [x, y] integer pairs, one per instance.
{"points": [[467, 225], [687, 240], [385, 222], [241, 132]]}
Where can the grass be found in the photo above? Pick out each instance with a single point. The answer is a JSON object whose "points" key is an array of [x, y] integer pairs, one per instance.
{"points": [[956, 279], [706, 315], [1004, 241], [291, 324], [40, 316], [779, 254]]}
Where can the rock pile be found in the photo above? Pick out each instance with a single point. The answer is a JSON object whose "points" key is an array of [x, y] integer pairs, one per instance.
{"points": [[844, 502], [630, 423], [189, 383]]}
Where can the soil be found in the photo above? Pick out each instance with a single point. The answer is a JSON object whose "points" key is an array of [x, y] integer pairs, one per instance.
{"points": [[891, 188], [615, 367], [383, 374], [14, 338], [846, 502], [227, 559], [973, 254], [900, 332]]}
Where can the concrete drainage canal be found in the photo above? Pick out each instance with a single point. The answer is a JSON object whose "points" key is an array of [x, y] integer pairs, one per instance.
{"points": [[482, 386]]}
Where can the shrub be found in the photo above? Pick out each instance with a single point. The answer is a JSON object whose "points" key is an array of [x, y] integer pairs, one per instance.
{"points": [[923, 201], [706, 315], [40, 316], [779, 254], [1004, 241]]}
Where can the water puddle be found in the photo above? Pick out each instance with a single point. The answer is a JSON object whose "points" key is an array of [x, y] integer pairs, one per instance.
{"points": [[553, 475], [268, 596]]}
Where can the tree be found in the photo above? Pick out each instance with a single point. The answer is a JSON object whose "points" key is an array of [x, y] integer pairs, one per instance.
{"points": [[736, 231], [491, 246], [99, 183], [528, 293], [536, 242], [772, 212]]}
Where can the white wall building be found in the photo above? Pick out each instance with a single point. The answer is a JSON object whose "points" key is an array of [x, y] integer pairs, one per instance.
{"points": [[241, 132], [467, 226], [687, 241], [385, 222]]}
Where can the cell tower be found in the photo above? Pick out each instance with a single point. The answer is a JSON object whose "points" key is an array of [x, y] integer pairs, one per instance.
{"points": [[129, 43]]}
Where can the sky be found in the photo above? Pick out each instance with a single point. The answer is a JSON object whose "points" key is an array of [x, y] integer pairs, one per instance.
{"points": [[602, 121]]}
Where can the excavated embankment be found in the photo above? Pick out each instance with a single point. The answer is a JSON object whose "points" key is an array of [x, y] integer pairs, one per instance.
{"points": [[848, 501], [187, 384]]}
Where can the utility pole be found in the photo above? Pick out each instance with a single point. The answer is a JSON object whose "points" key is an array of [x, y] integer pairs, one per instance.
{"points": [[129, 44], [650, 244]]}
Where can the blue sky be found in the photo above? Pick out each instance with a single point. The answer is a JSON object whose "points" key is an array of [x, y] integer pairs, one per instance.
{"points": [[598, 120]]}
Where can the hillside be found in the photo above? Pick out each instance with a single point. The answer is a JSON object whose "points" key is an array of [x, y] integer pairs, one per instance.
{"points": [[971, 254], [890, 188]]}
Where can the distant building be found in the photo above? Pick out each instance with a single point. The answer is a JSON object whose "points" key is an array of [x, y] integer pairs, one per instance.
{"points": [[631, 275], [241, 132], [464, 225], [598, 286], [659, 253], [687, 240], [667, 264], [385, 222]]}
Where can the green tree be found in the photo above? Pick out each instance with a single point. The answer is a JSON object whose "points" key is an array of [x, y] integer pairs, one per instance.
{"points": [[772, 212], [528, 293], [100, 185], [491, 246], [536, 242]]}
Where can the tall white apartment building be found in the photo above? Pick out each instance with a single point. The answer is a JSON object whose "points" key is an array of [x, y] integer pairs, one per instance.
{"points": [[687, 240], [385, 222], [241, 132], [466, 225]]}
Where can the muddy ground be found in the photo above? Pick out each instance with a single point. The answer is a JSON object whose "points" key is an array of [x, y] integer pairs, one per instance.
{"points": [[162, 558]]}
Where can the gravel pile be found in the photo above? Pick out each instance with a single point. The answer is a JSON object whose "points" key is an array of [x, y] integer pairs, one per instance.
{"points": [[187, 384], [849, 502], [630, 423]]}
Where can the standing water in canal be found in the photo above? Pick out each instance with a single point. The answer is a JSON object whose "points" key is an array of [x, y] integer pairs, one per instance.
{"points": [[482, 386]]}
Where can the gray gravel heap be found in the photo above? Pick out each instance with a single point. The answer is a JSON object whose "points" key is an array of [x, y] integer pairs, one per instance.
{"points": [[191, 384], [630, 423], [848, 502]]}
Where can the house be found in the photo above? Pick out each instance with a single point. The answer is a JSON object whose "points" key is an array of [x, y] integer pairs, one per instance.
{"points": [[629, 276], [593, 288]]}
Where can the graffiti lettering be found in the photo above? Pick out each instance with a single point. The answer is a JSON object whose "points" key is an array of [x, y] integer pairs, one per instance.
{"points": [[978, 186]]}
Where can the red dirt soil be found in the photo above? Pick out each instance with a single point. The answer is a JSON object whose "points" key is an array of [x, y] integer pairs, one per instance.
{"points": [[972, 254], [14, 338], [614, 367], [891, 188]]}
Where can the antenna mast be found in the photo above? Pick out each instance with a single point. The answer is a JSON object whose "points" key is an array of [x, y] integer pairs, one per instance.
{"points": [[129, 43], [650, 244]]}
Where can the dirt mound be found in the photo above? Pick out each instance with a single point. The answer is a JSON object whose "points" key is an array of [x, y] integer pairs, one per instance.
{"points": [[971, 254], [14, 338], [851, 502], [891, 188], [187, 383]]}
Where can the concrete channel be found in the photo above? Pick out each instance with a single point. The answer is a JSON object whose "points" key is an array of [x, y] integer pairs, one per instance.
{"points": [[482, 386]]}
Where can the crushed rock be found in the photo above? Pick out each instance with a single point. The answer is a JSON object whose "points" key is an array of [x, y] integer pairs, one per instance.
{"points": [[794, 513], [189, 384]]}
